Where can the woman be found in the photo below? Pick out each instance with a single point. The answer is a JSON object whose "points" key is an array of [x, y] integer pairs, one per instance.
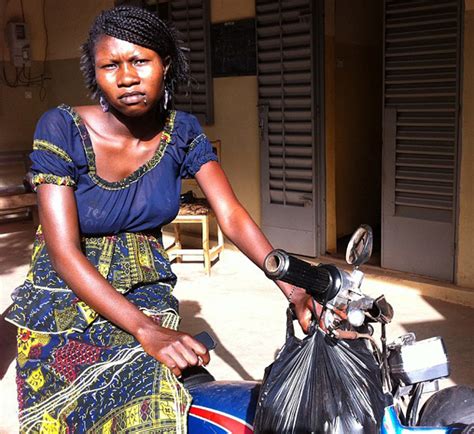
{"points": [[98, 346]]}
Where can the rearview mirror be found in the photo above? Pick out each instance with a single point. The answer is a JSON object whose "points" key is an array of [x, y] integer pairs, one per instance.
{"points": [[359, 248]]}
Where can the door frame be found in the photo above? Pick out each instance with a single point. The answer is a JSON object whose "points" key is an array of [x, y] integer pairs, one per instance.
{"points": [[319, 64]]}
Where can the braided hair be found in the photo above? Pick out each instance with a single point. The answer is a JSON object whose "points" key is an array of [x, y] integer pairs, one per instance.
{"points": [[140, 27]]}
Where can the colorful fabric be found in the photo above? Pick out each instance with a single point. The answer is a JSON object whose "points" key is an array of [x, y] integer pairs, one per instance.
{"points": [[47, 178], [45, 303], [77, 372], [48, 146], [97, 381]]}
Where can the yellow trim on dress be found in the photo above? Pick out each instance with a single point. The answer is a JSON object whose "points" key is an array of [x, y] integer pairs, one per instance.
{"points": [[48, 178], [44, 145]]}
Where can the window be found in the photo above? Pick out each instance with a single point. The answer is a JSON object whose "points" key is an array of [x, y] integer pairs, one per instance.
{"points": [[191, 19]]}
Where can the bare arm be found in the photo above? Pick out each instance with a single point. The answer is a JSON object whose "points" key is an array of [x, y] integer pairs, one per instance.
{"points": [[240, 228], [58, 217]]}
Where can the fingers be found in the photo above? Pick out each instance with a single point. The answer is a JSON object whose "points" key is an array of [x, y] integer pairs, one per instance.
{"points": [[170, 363], [305, 320], [316, 308], [174, 349], [183, 353], [303, 313], [200, 350], [192, 351]]}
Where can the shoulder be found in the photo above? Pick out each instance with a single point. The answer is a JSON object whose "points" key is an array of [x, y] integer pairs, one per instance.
{"points": [[87, 112], [56, 131], [53, 115], [86, 109], [186, 126], [54, 124], [185, 116], [61, 117]]}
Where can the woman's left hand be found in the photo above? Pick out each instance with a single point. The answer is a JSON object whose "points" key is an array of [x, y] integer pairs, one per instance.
{"points": [[304, 308]]}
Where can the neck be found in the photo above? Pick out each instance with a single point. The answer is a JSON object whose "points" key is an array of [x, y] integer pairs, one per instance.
{"points": [[143, 127]]}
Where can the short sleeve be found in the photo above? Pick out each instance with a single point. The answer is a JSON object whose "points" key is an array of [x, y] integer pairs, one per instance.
{"points": [[51, 159], [199, 149]]}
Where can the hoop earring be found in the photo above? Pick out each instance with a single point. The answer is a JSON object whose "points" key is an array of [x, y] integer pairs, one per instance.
{"points": [[104, 104], [166, 98]]}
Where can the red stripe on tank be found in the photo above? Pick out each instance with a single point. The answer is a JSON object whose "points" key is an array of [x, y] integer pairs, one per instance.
{"points": [[225, 421]]}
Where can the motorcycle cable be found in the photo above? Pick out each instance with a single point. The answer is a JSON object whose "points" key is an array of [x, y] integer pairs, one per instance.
{"points": [[386, 369], [412, 409]]}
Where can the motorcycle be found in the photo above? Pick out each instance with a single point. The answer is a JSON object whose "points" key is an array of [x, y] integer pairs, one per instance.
{"points": [[406, 373]]}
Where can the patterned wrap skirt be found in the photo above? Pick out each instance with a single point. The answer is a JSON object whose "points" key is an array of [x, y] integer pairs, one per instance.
{"points": [[77, 372]]}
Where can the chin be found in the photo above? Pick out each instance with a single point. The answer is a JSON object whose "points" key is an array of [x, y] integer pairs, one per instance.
{"points": [[133, 111]]}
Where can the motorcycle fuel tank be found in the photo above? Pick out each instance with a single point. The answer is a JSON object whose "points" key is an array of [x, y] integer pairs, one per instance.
{"points": [[223, 407]]}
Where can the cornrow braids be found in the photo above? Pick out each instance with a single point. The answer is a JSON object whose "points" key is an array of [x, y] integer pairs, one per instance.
{"points": [[141, 27]]}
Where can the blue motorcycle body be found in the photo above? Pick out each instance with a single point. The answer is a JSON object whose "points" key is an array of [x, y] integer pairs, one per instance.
{"points": [[223, 407], [391, 425]]}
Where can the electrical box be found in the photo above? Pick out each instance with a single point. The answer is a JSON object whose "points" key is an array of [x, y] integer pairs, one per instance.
{"points": [[19, 44], [414, 361]]}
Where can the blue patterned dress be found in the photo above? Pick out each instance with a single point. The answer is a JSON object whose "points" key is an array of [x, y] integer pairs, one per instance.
{"points": [[76, 371]]}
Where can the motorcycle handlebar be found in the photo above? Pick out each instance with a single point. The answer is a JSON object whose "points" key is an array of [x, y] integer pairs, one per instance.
{"points": [[323, 282]]}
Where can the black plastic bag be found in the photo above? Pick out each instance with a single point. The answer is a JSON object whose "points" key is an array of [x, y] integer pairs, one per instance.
{"points": [[320, 385]]}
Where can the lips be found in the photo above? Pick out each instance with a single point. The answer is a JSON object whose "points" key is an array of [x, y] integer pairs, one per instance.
{"points": [[130, 98]]}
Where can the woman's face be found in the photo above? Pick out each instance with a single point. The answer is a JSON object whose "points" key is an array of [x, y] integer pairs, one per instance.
{"points": [[130, 77]]}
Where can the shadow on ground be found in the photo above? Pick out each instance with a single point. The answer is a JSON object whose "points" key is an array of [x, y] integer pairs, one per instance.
{"points": [[456, 331], [193, 324], [16, 241], [7, 345]]}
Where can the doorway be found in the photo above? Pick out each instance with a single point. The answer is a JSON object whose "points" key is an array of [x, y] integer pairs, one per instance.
{"points": [[358, 47]]}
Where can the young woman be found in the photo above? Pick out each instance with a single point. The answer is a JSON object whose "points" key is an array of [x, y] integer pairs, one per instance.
{"points": [[98, 346]]}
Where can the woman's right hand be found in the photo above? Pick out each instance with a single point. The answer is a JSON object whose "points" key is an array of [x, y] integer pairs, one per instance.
{"points": [[174, 349]]}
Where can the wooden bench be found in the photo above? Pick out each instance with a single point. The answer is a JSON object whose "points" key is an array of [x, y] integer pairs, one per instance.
{"points": [[16, 197]]}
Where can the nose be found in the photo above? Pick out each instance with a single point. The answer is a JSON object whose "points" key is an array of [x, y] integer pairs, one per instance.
{"points": [[127, 76]]}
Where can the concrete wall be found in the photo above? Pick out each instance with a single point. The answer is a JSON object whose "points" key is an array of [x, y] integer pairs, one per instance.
{"points": [[358, 99], [465, 251], [67, 28], [236, 125], [18, 114], [236, 118]]}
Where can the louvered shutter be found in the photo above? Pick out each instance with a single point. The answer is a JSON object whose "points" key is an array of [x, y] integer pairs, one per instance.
{"points": [[421, 101], [287, 92], [191, 18]]}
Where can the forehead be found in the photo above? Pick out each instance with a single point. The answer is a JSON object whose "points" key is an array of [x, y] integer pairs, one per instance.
{"points": [[108, 46]]}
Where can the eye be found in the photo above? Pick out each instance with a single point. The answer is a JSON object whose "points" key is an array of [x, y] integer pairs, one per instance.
{"points": [[140, 62], [108, 66]]}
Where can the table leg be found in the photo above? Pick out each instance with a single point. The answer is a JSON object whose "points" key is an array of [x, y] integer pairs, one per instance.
{"points": [[205, 245], [177, 239]]}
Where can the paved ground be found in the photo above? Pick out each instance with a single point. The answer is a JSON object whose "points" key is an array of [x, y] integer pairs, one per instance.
{"points": [[245, 312]]}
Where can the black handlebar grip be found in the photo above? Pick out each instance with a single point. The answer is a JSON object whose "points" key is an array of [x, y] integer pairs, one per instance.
{"points": [[321, 281]]}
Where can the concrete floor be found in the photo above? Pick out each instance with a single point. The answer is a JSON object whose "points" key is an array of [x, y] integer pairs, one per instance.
{"points": [[244, 311]]}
